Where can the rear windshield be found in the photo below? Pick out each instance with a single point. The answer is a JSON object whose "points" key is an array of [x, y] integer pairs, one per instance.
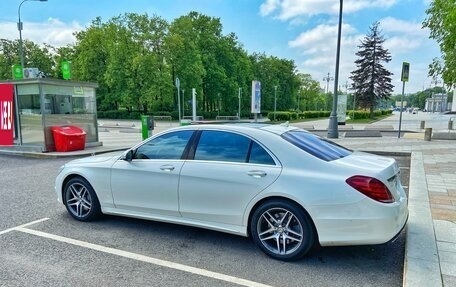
{"points": [[315, 145]]}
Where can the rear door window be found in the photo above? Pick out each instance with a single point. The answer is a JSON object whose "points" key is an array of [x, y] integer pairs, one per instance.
{"points": [[315, 145], [230, 147], [222, 146]]}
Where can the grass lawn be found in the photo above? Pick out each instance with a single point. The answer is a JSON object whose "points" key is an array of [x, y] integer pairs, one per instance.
{"points": [[366, 121]]}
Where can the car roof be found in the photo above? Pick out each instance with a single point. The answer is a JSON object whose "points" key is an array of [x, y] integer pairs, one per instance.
{"points": [[245, 127]]}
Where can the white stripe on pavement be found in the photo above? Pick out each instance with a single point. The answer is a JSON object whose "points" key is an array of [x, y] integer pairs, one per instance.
{"points": [[147, 259], [23, 225]]}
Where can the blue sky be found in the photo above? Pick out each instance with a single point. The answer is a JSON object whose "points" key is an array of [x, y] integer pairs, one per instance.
{"points": [[302, 30]]}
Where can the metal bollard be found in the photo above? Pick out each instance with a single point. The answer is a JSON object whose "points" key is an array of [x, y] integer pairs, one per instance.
{"points": [[450, 124], [427, 134], [422, 125]]}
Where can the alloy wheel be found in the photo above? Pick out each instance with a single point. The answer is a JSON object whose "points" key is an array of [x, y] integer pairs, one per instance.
{"points": [[280, 231], [79, 200]]}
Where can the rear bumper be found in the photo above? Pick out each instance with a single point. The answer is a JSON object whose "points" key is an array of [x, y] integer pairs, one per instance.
{"points": [[400, 231], [363, 223]]}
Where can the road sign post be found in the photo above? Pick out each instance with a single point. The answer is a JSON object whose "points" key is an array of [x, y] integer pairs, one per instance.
{"points": [[178, 98], [404, 78]]}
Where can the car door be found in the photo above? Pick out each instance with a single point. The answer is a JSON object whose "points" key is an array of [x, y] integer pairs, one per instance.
{"points": [[227, 171], [149, 182]]}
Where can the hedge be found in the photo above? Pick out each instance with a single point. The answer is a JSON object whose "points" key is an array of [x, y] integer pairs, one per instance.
{"points": [[290, 116], [280, 116]]}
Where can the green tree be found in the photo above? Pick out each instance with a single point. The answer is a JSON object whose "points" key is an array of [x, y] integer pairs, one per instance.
{"points": [[371, 81], [60, 54], [441, 16], [310, 95], [38, 57], [236, 65], [34, 57], [184, 55], [90, 61], [272, 71], [127, 57], [419, 99], [9, 55], [205, 59], [135, 59], [137, 70]]}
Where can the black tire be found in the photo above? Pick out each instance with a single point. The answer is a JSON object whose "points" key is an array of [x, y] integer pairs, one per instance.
{"points": [[80, 200], [282, 230]]}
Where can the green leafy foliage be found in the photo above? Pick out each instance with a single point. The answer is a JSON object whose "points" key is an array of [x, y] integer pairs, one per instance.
{"points": [[136, 59], [441, 19], [34, 57]]}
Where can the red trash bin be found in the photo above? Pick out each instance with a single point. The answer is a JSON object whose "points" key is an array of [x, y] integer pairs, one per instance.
{"points": [[68, 138]]}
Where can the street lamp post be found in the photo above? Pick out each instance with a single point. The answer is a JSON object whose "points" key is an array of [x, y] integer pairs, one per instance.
{"points": [[239, 102], [219, 104], [299, 96], [183, 103], [177, 83], [327, 79], [333, 128], [20, 26], [354, 105], [275, 101]]}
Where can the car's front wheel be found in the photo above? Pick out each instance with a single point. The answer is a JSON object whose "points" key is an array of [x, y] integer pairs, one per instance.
{"points": [[80, 200], [282, 230]]}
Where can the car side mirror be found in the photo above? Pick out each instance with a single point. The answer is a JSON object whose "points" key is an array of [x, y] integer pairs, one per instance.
{"points": [[129, 155]]}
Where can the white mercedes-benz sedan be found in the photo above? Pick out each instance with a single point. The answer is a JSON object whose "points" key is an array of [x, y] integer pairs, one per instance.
{"points": [[285, 187]]}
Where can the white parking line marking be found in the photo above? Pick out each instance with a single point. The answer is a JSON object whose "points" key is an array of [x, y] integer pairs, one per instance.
{"points": [[23, 225], [139, 257]]}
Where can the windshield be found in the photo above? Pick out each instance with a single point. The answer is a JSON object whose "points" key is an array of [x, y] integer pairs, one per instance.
{"points": [[315, 145]]}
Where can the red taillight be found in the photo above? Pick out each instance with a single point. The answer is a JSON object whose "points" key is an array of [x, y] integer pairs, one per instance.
{"points": [[371, 187]]}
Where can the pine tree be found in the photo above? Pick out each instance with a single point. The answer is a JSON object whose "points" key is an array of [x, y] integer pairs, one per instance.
{"points": [[371, 81]]}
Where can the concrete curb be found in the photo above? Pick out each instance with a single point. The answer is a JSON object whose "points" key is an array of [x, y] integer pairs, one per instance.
{"points": [[421, 266]]}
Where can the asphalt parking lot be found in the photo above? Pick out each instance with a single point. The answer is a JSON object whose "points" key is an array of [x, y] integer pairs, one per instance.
{"points": [[55, 250]]}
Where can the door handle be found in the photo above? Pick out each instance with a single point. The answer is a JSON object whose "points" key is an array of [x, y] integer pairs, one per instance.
{"points": [[257, 173], [167, 167]]}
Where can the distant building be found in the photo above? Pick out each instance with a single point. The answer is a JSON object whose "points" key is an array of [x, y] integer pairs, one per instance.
{"points": [[437, 103]]}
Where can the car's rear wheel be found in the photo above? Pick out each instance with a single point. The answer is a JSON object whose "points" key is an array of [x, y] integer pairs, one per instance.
{"points": [[80, 200], [282, 230]]}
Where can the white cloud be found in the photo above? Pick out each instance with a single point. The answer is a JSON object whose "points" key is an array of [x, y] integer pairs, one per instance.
{"points": [[268, 7], [318, 48], [394, 25], [357, 5], [403, 40], [400, 45], [402, 36], [289, 9], [53, 32]]}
